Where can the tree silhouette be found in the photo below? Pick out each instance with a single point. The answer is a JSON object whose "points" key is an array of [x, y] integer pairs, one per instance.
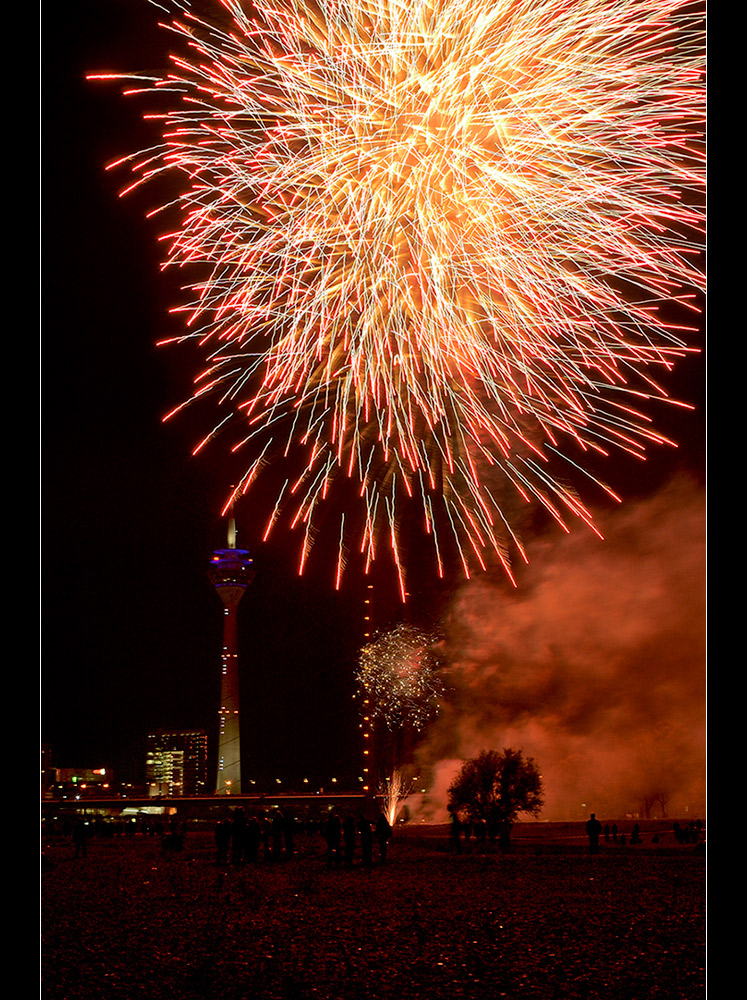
{"points": [[493, 788]]}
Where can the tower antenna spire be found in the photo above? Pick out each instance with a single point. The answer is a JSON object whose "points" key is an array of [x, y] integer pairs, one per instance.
{"points": [[232, 533]]}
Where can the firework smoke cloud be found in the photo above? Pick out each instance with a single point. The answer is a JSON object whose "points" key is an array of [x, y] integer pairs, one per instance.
{"points": [[433, 241], [594, 666]]}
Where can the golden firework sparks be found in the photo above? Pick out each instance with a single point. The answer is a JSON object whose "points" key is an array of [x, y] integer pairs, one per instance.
{"points": [[437, 236]]}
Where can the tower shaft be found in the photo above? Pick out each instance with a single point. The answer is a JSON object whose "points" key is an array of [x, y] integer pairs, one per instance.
{"points": [[230, 573], [229, 733]]}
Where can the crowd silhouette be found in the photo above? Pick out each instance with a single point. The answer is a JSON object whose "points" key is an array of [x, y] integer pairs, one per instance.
{"points": [[344, 840], [271, 836]]}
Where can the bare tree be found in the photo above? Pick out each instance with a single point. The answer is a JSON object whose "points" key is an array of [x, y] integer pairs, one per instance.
{"points": [[658, 797]]}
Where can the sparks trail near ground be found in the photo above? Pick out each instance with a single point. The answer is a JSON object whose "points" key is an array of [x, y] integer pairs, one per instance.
{"points": [[393, 790], [437, 238]]}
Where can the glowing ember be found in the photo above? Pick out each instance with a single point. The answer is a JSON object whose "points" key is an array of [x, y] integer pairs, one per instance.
{"points": [[433, 239]]}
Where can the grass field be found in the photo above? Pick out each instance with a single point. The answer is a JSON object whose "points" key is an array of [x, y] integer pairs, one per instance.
{"points": [[547, 921]]}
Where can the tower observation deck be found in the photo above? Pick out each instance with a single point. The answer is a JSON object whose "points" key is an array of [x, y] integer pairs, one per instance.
{"points": [[230, 573]]}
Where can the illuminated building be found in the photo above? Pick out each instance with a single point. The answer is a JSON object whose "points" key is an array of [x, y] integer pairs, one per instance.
{"points": [[230, 573], [176, 762], [82, 782]]}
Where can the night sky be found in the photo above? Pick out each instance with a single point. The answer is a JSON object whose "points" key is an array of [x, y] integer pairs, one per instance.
{"points": [[131, 628]]}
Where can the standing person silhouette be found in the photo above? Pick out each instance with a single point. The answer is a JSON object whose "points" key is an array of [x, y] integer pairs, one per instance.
{"points": [[333, 836], [364, 829], [348, 836], [383, 835], [593, 830], [455, 831], [80, 838]]}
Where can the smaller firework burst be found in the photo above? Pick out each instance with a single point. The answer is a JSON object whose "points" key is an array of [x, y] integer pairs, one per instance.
{"points": [[399, 673], [393, 791]]}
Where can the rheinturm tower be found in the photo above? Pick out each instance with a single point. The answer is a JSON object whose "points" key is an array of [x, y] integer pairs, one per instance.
{"points": [[230, 573]]}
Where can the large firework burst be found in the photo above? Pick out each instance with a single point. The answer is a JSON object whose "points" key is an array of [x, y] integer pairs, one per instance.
{"points": [[398, 671], [436, 237]]}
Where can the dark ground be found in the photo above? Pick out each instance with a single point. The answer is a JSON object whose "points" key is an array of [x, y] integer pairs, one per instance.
{"points": [[547, 921]]}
